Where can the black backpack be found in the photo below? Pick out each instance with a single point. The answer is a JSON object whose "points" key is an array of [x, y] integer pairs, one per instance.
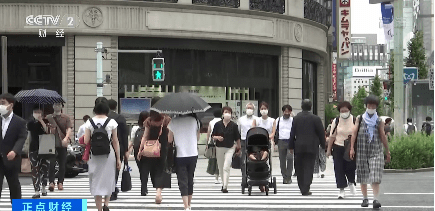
{"points": [[100, 142], [411, 129], [427, 128]]}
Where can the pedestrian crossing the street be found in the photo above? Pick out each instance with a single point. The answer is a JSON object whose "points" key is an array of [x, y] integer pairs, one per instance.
{"points": [[207, 196]]}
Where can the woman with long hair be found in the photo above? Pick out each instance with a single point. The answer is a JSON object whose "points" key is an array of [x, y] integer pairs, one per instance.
{"points": [[156, 128]]}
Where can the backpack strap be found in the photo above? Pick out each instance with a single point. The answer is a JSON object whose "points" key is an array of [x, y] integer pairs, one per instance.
{"points": [[93, 123], [336, 124], [106, 122]]}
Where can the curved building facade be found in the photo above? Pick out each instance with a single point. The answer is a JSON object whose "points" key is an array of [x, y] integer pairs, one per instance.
{"points": [[230, 52]]}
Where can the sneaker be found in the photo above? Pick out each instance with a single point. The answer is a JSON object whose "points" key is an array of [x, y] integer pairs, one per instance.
{"points": [[224, 190], [376, 204], [322, 176], [187, 208], [307, 193], [341, 194], [284, 181], [36, 196], [365, 203], [318, 175], [51, 187], [352, 189], [114, 197], [105, 208]]}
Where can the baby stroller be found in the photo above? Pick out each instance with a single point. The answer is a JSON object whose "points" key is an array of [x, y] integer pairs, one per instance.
{"points": [[258, 172]]}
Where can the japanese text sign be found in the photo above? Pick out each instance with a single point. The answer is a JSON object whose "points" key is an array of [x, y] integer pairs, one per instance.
{"points": [[344, 32], [334, 75], [49, 205]]}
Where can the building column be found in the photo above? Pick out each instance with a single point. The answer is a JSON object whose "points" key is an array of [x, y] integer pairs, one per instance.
{"points": [[321, 92], [86, 74], [68, 67], [291, 78]]}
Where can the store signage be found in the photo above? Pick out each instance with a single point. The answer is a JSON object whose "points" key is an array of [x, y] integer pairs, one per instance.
{"points": [[364, 71], [210, 94], [431, 79], [344, 46], [334, 75], [416, 12]]}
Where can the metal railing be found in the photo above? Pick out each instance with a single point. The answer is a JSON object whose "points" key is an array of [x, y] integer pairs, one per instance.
{"points": [[315, 11], [275, 6], [219, 3]]}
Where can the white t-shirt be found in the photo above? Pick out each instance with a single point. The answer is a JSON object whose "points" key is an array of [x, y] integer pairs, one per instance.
{"points": [[133, 132], [81, 131], [265, 123], [285, 127], [245, 123], [99, 122], [212, 123], [185, 130]]}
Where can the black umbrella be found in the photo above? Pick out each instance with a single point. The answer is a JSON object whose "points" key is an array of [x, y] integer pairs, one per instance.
{"points": [[181, 103], [39, 96]]}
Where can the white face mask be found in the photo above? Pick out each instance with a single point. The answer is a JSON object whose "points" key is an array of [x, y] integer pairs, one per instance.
{"points": [[371, 111], [264, 112], [249, 112], [345, 115], [36, 115], [227, 116], [3, 109]]}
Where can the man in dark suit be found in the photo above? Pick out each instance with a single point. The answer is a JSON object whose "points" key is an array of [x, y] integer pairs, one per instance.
{"points": [[13, 136], [306, 135], [122, 137]]}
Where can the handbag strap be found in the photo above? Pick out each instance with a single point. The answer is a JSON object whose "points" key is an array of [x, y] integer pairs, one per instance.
{"points": [[57, 125]]}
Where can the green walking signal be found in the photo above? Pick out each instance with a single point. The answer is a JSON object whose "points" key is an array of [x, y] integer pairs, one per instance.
{"points": [[158, 69]]}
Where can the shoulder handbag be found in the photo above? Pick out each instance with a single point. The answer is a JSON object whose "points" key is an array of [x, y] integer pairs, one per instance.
{"points": [[276, 138], [47, 144], [347, 144], [152, 147], [210, 152], [58, 142]]}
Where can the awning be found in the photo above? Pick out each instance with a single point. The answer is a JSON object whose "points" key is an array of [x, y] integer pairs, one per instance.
{"points": [[152, 43], [34, 41]]}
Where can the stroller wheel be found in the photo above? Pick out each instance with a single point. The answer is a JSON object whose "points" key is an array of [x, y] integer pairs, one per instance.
{"points": [[274, 185], [267, 190], [243, 190], [249, 190]]}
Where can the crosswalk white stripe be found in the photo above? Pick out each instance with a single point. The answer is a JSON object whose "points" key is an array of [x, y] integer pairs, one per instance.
{"points": [[207, 195]]}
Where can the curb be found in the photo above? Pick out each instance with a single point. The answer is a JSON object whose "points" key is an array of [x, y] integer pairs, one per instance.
{"points": [[408, 170]]}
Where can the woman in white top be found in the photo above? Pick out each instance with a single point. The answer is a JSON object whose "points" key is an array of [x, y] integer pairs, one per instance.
{"points": [[217, 117], [102, 167], [184, 131], [344, 170], [267, 123]]}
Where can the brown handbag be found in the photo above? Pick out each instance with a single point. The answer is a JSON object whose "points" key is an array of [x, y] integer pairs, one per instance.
{"points": [[152, 147]]}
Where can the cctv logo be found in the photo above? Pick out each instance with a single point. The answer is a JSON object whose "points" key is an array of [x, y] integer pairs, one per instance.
{"points": [[42, 20]]}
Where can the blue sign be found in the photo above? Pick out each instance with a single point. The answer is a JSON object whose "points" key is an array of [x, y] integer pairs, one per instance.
{"points": [[409, 73], [49, 205]]}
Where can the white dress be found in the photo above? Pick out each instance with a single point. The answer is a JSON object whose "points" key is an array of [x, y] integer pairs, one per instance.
{"points": [[102, 168]]}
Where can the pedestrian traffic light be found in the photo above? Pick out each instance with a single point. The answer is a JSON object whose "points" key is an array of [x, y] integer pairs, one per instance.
{"points": [[386, 98], [158, 67]]}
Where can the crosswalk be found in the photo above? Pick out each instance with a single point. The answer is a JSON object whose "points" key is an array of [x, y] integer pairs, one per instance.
{"points": [[207, 196]]}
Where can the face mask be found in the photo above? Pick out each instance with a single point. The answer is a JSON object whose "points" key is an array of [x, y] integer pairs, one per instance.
{"points": [[264, 112], [249, 112], [36, 115], [371, 111], [345, 115], [227, 116], [286, 116], [3, 109]]}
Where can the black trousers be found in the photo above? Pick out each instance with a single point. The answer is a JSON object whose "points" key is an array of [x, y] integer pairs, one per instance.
{"points": [[142, 176], [10, 170], [121, 157], [344, 170], [304, 165], [185, 172], [61, 159]]}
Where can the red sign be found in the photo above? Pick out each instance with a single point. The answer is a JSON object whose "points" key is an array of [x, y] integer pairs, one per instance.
{"points": [[344, 3]]}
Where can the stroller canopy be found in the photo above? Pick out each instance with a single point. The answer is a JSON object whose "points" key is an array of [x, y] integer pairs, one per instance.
{"points": [[257, 136]]}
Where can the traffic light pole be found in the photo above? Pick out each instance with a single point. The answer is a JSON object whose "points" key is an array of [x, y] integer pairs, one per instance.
{"points": [[100, 50], [398, 68]]}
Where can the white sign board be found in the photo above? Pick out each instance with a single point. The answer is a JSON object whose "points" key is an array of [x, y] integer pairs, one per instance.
{"points": [[364, 71], [209, 94], [344, 32], [431, 79]]}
